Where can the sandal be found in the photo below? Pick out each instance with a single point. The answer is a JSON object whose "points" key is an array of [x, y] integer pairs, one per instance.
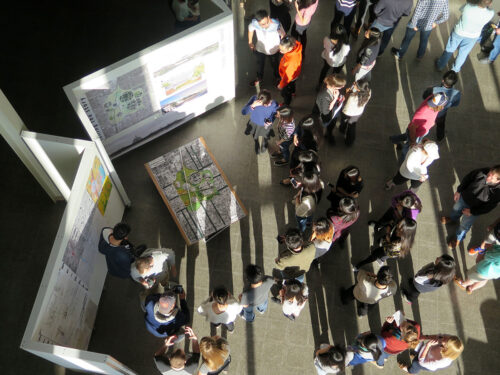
{"points": [[459, 282]]}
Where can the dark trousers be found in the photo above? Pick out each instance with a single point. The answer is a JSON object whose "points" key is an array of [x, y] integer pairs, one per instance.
{"points": [[302, 38], [386, 38], [261, 61], [287, 92], [285, 149], [281, 13], [338, 15], [348, 128], [348, 295], [411, 292], [361, 9], [378, 253], [398, 179], [326, 68], [440, 122]]}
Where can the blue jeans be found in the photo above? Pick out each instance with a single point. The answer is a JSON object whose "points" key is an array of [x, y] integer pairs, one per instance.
{"points": [[248, 313], [382, 358], [404, 138], [496, 49], [386, 34], [415, 367], [285, 149], [466, 222], [410, 33], [464, 46], [303, 222]]}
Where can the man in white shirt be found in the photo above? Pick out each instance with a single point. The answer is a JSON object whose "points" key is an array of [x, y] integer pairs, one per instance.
{"points": [[465, 34], [268, 33]]}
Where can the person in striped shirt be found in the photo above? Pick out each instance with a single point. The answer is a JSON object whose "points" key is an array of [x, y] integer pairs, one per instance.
{"points": [[427, 15], [287, 136], [344, 9]]}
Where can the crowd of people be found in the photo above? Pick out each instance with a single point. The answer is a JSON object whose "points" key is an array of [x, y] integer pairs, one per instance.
{"points": [[306, 244]]}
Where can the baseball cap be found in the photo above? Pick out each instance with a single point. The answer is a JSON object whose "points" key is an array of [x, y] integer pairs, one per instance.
{"points": [[437, 100]]}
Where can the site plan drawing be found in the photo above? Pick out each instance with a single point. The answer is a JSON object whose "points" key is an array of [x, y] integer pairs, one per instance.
{"points": [[196, 191]]}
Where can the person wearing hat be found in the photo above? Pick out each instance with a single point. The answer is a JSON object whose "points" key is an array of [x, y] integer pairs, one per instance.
{"points": [[414, 167], [422, 122], [163, 317]]}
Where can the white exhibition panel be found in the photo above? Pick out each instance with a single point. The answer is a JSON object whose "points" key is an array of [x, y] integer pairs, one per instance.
{"points": [[153, 91], [63, 315]]}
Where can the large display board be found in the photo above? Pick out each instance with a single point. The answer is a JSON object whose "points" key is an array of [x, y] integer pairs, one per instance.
{"points": [[196, 191], [66, 305], [160, 88]]}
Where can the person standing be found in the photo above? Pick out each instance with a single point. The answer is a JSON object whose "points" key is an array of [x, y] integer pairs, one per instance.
{"points": [[268, 33], [163, 317], [290, 67], [305, 10], [279, 11], [220, 308], [477, 194], [422, 122], [370, 289], [255, 295], [453, 95], [358, 96], [495, 51], [426, 16], [465, 33], [487, 267], [114, 245], [287, 133], [344, 9], [367, 54], [171, 359], [414, 167], [262, 110], [215, 355], [336, 48], [388, 13]]}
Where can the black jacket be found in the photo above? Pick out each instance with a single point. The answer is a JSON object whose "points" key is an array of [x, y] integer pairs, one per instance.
{"points": [[480, 197]]}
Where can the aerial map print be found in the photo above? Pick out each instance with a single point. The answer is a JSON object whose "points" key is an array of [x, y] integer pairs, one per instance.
{"points": [[195, 191]]}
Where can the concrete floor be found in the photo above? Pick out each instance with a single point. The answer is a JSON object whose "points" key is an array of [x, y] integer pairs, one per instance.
{"points": [[48, 48]]}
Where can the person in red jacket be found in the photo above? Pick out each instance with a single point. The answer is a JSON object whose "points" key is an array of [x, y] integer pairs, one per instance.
{"points": [[290, 66], [399, 338]]}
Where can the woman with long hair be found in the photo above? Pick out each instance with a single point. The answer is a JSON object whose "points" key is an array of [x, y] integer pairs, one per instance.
{"points": [[367, 348], [437, 353], [430, 278], [342, 217], [396, 244], [293, 296], [358, 96], [322, 236], [287, 133], [336, 48], [305, 10], [399, 336], [414, 167], [215, 355], [367, 54]]}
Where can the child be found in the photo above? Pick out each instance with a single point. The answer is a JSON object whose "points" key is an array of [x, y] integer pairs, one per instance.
{"points": [[290, 67], [293, 298], [296, 260], [399, 336], [220, 308], [367, 54], [357, 97], [329, 102], [262, 110], [403, 205], [322, 236], [367, 348], [370, 289], [287, 135], [430, 277], [256, 294]]}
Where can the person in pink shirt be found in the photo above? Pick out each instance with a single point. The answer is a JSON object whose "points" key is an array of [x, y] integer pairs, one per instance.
{"points": [[305, 10], [423, 120]]}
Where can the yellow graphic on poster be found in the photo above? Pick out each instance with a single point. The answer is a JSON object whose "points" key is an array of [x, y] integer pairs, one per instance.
{"points": [[96, 180], [104, 197]]}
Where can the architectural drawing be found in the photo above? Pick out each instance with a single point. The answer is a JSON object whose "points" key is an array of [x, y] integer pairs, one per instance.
{"points": [[196, 191]]}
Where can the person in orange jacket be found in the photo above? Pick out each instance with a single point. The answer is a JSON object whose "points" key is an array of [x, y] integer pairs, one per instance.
{"points": [[290, 66]]}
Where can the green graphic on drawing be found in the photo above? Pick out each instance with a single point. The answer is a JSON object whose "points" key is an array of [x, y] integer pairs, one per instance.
{"points": [[121, 103], [195, 187]]}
